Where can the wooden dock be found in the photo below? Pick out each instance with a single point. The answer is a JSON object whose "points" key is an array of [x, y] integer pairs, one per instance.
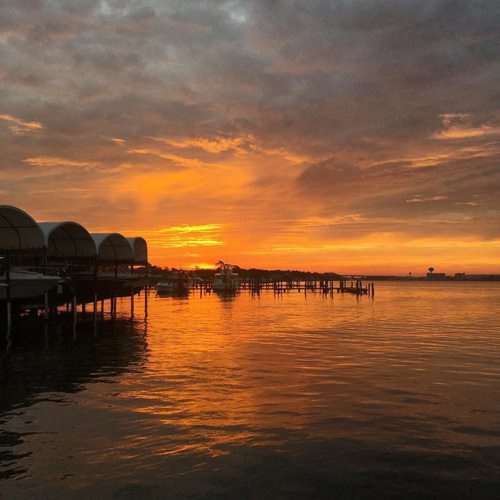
{"points": [[356, 287]]}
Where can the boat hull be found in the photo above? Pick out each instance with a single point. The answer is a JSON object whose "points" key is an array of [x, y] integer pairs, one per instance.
{"points": [[27, 288], [230, 286], [171, 288]]}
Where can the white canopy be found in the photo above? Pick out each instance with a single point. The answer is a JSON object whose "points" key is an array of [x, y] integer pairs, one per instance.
{"points": [[112, 247], [18, 230], [67, 240], [139, 249]]}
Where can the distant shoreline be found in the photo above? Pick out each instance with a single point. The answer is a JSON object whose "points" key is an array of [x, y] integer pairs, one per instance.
{"points": [[284, 275], [485, 277]]}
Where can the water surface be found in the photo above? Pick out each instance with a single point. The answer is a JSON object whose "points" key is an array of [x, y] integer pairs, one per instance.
{"points": [[290, 396]]}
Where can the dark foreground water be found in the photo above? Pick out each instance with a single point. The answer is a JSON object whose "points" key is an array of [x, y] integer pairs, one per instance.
{"points": [[269, 397]]}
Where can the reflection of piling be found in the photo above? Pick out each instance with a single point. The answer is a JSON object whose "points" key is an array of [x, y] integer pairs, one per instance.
{"points": [[46, 305], [9, 316], [73, 309], [8, 305], [95, 308]]}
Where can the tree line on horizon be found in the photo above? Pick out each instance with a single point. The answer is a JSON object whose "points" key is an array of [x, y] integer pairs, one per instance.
{"points": [[252, 273]]}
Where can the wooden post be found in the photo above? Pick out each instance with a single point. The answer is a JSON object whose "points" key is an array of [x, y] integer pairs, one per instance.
{"points": [[132, 304], [74, 312], [7, 295], [9, 317], [95, 308], [46, 305]]}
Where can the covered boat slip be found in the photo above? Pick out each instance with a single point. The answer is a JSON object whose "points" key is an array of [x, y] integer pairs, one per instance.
{"points": [[85, 267], [113, 275], [19, 231], [68, 241], [21, 244], [21, 239]]}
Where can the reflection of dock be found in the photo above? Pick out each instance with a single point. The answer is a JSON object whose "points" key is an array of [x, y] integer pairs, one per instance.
{"points": [[49, 361]]}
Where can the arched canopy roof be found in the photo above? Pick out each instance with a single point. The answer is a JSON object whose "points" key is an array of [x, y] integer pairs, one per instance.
{"points": [[112, 247], [67, 240], [139, 249], [18, 230]]}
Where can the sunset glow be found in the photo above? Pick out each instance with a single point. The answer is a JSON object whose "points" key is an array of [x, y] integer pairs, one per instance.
{"points": [[249, 249], [313, 140]]}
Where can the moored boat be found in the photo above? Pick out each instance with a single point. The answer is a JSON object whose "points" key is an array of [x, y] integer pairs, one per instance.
{"points": [[22, 284], [176, 282], [226, 280]]}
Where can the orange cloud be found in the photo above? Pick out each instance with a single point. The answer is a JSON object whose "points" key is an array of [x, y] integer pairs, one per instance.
{"points": [[51, 161], [217, 145], [455, 127], [191, 229], [19, 126], [420, 199], [176, 159]]}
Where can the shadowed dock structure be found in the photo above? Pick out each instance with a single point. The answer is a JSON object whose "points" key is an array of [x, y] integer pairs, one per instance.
{"points": [[46, 265]]}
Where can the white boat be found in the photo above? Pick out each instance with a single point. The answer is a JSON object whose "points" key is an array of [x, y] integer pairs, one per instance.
{"points": [[225, 279], [23, 284], [176, 282]]}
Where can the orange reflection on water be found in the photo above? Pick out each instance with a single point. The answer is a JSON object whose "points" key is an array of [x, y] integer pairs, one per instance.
{"points": [[208, 384], [227, 371]]}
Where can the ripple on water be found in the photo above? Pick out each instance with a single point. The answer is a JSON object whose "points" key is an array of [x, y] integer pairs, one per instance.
{"points": [[274, 397]]}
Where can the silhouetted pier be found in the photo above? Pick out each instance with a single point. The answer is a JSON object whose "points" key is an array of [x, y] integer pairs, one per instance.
{"points": [[353, 286]]}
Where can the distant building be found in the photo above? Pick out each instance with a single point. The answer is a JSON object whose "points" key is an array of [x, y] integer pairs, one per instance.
{"points": [[460, 276], [436, 276]]}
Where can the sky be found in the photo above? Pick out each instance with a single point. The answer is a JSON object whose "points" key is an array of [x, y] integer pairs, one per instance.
{"points": [[353, 136]]}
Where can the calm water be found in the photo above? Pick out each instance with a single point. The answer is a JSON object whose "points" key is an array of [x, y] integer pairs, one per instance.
{"points": [[260, 397]]}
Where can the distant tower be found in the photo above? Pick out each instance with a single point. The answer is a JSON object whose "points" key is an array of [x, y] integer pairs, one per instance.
{"points": [[431, 270]]}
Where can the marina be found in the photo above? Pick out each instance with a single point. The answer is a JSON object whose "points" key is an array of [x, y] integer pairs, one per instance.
{"points": [[249, 250], [209, 386], [53, 268], [50, 265]]}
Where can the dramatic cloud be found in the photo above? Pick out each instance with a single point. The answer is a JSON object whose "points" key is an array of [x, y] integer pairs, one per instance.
{"points": [[337, 134]]}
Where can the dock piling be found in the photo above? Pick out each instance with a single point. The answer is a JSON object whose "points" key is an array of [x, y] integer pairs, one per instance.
{"points": [[46, 305]]}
